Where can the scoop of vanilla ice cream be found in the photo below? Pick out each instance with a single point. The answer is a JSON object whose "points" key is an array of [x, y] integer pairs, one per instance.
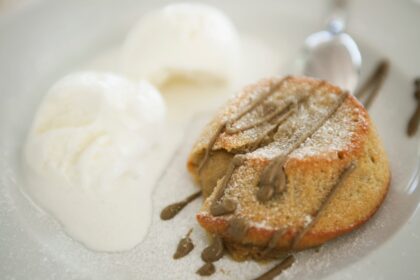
{"points": [[89, 126], [84, 157], [188, 40]]}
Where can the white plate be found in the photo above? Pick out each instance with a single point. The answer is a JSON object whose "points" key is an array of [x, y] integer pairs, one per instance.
{"points": [[51, 38]]}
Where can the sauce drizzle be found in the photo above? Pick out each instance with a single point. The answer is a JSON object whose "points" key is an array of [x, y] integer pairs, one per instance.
{"points": [[172, 210], [230, 129], [278, 234], [278, 269], [215, 251], [225, 206], [206, 270], [370, 88], [413, 124], [185, 246], [343, 176]]}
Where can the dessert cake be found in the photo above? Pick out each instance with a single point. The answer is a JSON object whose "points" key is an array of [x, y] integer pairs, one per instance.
{"points": [[288, 164]]}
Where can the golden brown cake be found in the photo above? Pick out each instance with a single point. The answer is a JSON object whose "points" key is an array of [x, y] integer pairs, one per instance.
{"points": [[288, 164]]}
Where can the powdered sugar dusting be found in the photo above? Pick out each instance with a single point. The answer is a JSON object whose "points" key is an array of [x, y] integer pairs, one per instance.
{"points": [[334, 136]]}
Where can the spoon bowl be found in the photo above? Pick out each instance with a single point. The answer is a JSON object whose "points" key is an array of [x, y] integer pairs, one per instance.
{"points": [[332, 54]]}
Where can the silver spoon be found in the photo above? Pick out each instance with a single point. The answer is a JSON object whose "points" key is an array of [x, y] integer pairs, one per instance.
{"points": [[332, 54]]}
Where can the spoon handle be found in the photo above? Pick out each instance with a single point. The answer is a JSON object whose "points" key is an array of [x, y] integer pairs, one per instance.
{"points": [[337, 20]]}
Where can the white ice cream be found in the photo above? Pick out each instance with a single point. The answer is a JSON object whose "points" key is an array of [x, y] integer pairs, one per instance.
{"points": [[187, 40], [83, 157]]}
